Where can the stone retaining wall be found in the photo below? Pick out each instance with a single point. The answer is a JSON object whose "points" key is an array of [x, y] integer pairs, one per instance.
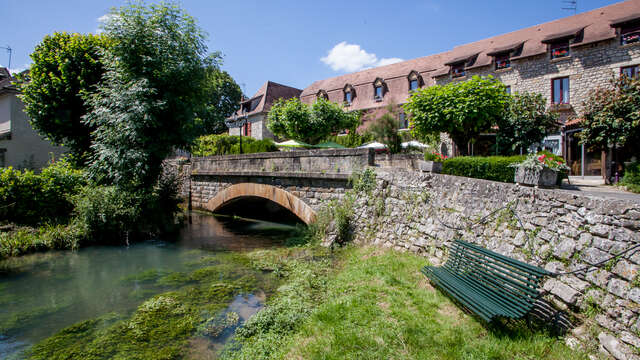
{"points": [[408, 211]]}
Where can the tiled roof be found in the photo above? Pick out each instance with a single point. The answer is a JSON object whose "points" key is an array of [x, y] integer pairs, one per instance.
{"points": [[596, 25], [6, 81], [268, 93]]}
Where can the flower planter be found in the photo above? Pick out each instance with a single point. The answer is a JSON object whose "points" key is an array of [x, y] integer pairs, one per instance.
{"points": [[539, 178], [430, 166]]}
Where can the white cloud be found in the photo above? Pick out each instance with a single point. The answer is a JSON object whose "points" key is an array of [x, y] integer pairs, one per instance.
{"points": [[17, 70], [103, 20], [351, 57]]}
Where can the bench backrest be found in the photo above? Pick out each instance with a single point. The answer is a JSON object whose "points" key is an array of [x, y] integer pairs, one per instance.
{"points": [[513, 279]]}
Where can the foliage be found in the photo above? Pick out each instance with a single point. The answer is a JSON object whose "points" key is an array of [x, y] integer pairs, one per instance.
{"points": [[152, 87], [612, 116], [525, 122], [461, 109], [370, 303], [351, 140], [65, 66], [541, 161], [631, 177], [223, 144], [496, 168], [385, 130], [28, 198], [434, 156], [111, 214], [363, 181], [222, 96], [26, 240], [293, 119]]}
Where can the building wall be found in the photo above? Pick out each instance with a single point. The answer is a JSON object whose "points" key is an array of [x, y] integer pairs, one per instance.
{"points": [[259, 129], [588, 67], [25, 148]]}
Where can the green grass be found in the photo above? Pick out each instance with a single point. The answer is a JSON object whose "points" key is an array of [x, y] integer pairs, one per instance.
{"points": [[25, 240], [375, 304]]}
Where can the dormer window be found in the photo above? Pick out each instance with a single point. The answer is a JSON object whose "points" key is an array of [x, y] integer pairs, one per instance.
{"points": [[503, 62], [349, 94], [322, 95], [415, 80], [457, 70], [559, 50], [559, 44], [378, 89], [630, 34]]}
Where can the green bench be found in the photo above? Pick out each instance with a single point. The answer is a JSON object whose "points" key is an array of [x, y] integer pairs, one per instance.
{"points": [[487, 283]]}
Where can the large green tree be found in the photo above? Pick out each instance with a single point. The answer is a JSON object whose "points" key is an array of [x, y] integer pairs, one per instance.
{"points": [[152, 88], [461, 109], [526, 122], [65, 66], [612, 116], [293, 119], [222, 96]]}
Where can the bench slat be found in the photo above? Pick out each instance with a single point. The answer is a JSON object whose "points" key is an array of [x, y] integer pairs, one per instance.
{"points": [[487, 283]]}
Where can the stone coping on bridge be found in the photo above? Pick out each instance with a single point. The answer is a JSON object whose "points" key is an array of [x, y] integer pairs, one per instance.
{"points": [[336, 161], [290, 174]]}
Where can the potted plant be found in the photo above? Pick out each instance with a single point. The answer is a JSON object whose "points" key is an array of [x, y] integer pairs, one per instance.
{"points": [[432, 162], [540, 170]]}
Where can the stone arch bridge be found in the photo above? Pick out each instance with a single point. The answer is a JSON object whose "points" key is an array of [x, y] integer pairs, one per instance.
{"points": [[299, 181]]}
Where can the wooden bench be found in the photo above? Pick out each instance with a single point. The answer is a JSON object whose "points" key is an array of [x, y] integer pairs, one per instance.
{"points": [[487, 283]]}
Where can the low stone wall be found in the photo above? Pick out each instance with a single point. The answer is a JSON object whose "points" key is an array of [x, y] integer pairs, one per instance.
{"points": [[398, 161], [326, 161], [417, 212]]}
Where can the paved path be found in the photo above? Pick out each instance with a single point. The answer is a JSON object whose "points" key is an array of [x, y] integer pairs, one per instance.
{"points": [[604, 191]]}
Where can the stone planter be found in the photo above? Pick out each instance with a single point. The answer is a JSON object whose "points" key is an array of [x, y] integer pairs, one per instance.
{"points": [[544, 178], [430, 166]]}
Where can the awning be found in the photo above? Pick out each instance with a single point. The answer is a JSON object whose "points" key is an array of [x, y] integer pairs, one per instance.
{"points": [[329, 145], [293, 143], [505, 49], [460, 59]]}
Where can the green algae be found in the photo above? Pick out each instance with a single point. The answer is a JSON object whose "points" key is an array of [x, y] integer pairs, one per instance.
{"points": [[29, 318], [162, 326], [148, 275]]}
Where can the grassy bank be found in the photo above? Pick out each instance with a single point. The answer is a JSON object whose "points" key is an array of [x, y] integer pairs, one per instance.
{"points": [[375, 304], [21, 240]]}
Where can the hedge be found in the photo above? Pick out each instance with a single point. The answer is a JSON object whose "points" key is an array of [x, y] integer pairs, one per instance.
{"points": [[210, 145], [631, 177], [28, 198], [494, 168]]}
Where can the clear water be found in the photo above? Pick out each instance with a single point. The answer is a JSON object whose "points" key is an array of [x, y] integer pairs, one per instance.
{"points": [[41, 294]]}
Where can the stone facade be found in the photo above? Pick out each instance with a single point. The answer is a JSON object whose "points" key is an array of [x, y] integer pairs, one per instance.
{"points": [[423, 213], [588, 67]]}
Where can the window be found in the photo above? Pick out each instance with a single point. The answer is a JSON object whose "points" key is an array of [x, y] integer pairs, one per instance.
{"points": [[503, 62], [414, 80], [403, 123], [246, 129], [322, 94], [349, 94], [378, 89], [630, 71], [508, 89], [457, 70], [560, 49], [630, 34], [2, 158], [560, 90]]}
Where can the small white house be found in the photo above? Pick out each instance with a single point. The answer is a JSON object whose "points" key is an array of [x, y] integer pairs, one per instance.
{"points": [[20, 145]]}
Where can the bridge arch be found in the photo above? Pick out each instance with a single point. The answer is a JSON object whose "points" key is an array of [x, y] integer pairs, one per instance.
{"points": [[269, 192]]}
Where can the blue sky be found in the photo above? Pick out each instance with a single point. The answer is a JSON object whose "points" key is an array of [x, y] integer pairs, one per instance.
{"points": [[298, 42]]}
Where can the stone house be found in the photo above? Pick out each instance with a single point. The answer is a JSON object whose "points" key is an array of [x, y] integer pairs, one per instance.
{"points": [[564, 60], [257, 108], [20, 145]]}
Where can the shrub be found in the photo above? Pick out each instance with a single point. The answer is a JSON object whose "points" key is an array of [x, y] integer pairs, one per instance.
{"points": [[496, 168], [210, 145], [385, 130], [28, 198], [26, 240], [631, 177]]}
